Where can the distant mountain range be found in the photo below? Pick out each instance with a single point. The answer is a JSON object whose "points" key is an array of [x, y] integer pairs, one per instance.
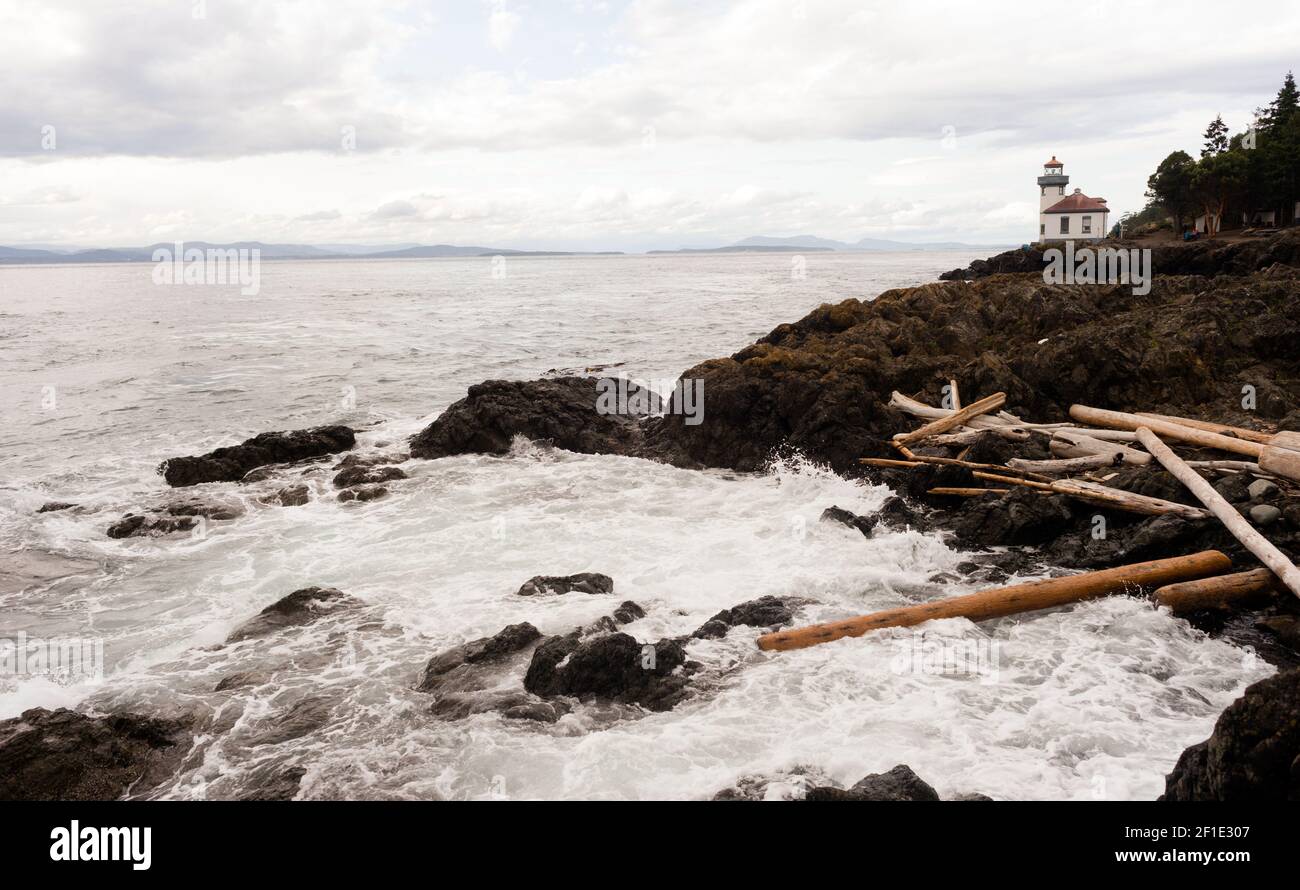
{"points": [[21, 255], [758, 243], [812, 242]]}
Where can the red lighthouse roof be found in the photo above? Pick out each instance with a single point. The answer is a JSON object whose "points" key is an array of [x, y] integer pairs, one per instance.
{"points": [[1078, 203], [1053, 163]]}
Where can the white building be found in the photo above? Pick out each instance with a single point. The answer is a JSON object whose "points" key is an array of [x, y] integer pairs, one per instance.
{"points": [[1073, 217]]}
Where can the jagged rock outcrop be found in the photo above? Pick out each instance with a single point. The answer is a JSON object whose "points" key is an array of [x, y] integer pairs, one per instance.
{"points": [[614, 667], [764, 612], [1208, 257], [583, 582], [232, 463], [1253, 753], [67, 755], [560, 411], [900, 783], [298, 608]]}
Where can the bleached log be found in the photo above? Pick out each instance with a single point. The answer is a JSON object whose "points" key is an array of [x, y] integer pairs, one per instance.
{"points": [[955, 419], [1103, 496], [1065, 444], [1222, 429], [1242, 530], [1064, 466]]}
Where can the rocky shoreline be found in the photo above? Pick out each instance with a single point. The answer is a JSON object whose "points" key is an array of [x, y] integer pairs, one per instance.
{"points": [[1217, 319]]}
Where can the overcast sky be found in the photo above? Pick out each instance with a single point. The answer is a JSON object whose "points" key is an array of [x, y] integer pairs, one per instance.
{"points": [[601, 125]]}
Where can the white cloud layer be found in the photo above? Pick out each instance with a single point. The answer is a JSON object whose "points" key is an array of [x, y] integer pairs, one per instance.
{"points": [[676, 123]]}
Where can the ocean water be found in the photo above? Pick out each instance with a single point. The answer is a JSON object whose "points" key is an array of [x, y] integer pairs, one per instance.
{"points": [[104, 375]]}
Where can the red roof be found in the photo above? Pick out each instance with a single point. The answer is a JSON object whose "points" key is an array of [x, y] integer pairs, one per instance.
{"points": [[1078, 203], [1053, 163]]}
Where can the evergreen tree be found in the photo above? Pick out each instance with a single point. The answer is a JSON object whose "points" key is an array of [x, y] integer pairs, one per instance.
{"points": [[1285, 106], [1216, 138]]}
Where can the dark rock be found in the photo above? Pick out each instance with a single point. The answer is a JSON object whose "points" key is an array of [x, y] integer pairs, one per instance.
{"points": [[290, 496], [609, 668], [1018, 517], [65, 755], [766, 611], [537, 711], [1253, 753], [364, 493], [863, 524], [363, 475], [1234, 487], [971, 795], [560, 411], [136, 525], [53, 506], [300, 607], [583, 582], [218, 511], [900, 783], [505, 642], [232, 463]]}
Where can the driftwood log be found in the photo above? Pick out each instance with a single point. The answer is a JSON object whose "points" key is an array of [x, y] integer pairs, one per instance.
{"points": [[953, 420], [1219, 592], [1242, 530], [1279, 457], [1013, 600], [1220, 428], [1103, 496]]}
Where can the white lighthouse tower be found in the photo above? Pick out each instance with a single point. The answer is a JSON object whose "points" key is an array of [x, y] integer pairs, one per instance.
{"points": [[1051, 189]]}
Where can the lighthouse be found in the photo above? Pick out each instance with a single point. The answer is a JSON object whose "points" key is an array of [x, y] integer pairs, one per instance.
{"points": [[1068, 217], [1051, 189]]}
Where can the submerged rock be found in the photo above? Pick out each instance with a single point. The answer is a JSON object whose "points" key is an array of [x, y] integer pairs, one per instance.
{"points": [[452, 664], [289, 496], [583, 582], [864, 524], [232, 463], [612, 668], [55, 506], [298, 608], [66, 755], [900, 783], [1253, 753], [766, 611], [363, 493], [367, 475], [137, 525]]}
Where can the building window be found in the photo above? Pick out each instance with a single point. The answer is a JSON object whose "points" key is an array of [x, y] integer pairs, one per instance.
{"points": [[1065, 225], [1044, 190], [1087, 225], [1042, 228]]}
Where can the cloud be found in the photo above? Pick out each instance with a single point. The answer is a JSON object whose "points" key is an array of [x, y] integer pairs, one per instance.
{"points": [[395, 210], [502, 25]]}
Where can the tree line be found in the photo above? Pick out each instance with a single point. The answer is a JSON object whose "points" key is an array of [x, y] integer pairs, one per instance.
{"points": [[1248, 173]]}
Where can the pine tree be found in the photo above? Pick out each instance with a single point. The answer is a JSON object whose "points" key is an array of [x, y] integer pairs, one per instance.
{"points": [[1285, 106], [1216, 138]]}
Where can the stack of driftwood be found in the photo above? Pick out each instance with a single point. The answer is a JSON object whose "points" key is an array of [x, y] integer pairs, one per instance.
{"points": [[1086, 454]]}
